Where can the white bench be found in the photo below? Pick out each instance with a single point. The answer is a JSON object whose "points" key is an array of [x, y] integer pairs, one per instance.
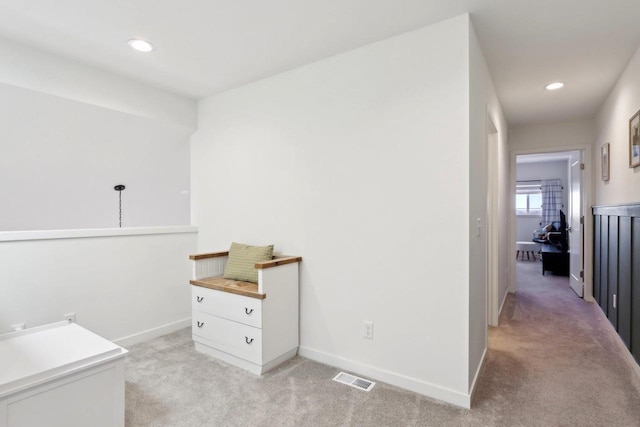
{"points": [[253, 326], [528, 248]]}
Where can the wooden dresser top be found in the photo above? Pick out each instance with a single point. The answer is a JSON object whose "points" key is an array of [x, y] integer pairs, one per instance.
{"points": [[246, 289]]}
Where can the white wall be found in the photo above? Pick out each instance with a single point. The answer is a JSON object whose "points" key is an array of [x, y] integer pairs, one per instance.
{"points": [[613, 127], [359, 163], [525, 225], [69, 133], [118, 286], [551, 137], [484, 106]]}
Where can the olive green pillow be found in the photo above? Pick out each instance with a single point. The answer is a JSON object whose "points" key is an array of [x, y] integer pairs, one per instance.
{"points": [[242, 259]]}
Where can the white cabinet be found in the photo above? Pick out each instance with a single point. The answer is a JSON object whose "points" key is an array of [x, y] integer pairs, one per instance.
{"points": [[253, 326], [60, 375], [230, 306], [233, 338]]}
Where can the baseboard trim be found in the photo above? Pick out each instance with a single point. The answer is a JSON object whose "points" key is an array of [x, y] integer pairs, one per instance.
{"points": [[504, 299], [412, 384], [152, 333], [622, 348], [472, 390]]}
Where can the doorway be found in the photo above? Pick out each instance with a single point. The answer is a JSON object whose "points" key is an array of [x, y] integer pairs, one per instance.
{"points": [[549, 216]]}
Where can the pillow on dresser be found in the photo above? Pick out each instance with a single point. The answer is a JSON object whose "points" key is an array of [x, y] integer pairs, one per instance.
{"points": [[242, 259]]}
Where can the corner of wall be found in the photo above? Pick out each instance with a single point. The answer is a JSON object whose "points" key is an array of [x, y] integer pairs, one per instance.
{"points": [[345, 167], [486, 262]]}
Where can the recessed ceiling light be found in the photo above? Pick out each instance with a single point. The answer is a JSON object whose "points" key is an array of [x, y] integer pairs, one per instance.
{"points": [[554, 86], [141, 45]]}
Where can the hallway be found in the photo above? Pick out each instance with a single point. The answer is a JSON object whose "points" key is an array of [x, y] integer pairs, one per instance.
{"points": [[554, 360]]}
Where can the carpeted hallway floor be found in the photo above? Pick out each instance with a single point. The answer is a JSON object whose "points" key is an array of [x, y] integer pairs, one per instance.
{"points": [[553, 361]]}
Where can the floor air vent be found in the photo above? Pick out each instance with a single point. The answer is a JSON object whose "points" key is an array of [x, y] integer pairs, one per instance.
{"points": [[353, 381]]}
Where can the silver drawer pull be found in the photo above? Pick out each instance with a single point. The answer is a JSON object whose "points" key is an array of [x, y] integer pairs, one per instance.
{"points": [[200, 324], [247, 311], [248, 341], [199, 299]]}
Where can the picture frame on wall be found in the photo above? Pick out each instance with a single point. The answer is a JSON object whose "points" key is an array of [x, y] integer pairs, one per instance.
{"points": [[634, 140], [604, 161]]}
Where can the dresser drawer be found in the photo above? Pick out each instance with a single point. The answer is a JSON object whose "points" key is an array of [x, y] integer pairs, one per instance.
{"points": [[226, 305], [231, 337]]}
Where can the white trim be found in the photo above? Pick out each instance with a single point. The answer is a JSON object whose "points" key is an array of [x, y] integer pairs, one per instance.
{"points": [[474, 384], [504, 299], [492, 257], [152, 333], [12, 236], [412, 384]]}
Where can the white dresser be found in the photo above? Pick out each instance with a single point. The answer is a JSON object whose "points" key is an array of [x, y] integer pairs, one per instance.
{"points": [[253, 326], [60, 375]]}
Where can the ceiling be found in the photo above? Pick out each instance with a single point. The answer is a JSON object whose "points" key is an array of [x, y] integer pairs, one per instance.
{"points": [[208, 46]]}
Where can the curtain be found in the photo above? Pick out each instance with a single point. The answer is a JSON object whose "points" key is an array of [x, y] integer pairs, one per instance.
{"points": [[551, 200]]}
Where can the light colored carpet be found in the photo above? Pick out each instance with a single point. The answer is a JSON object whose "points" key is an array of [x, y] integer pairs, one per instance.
{"points": [[551, 362]]}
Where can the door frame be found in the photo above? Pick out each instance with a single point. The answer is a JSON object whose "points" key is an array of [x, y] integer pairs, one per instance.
{"points": [[586, 201], [493, 255], [576, 229]]}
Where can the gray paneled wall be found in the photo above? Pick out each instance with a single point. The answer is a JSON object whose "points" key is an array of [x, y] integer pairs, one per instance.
{"points": [[616, 278]]}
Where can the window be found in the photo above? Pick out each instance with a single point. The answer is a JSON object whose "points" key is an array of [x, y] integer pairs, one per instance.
{"points": [[528, 199]]}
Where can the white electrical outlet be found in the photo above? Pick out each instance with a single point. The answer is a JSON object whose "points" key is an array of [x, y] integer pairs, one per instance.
{"points": [[368, 330], [18, 326], [71, 317]]}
